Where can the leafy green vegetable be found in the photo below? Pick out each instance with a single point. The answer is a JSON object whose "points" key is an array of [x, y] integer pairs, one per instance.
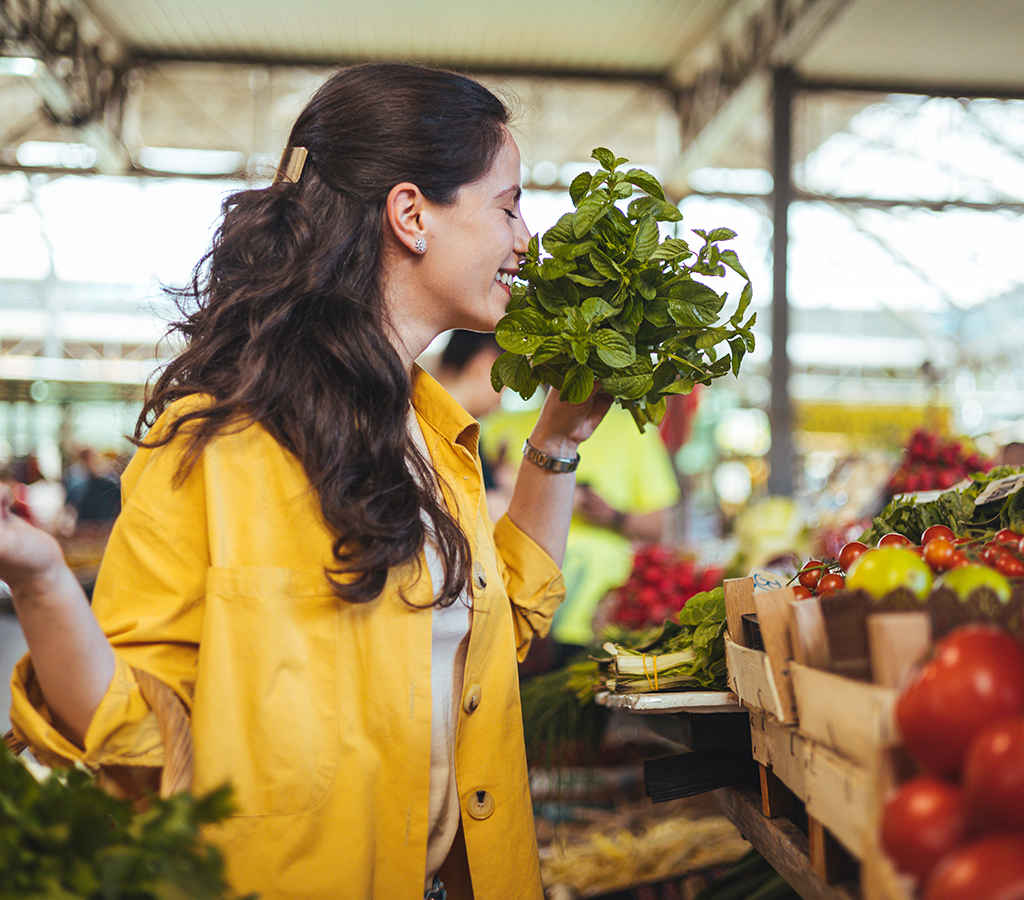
{"points": [[613, 302], [956, 508], [687, 653], [64, 838]]}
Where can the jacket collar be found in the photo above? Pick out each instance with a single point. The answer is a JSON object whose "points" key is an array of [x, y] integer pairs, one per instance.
{"points": [[437, 408]]}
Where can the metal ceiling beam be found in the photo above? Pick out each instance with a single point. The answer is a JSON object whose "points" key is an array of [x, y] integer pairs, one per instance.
{"points": [[723, 84], [78, 74]]}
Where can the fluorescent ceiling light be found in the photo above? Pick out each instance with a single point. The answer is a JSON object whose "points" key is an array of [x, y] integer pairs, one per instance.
{"points": [[54, 154], [182, 161]]}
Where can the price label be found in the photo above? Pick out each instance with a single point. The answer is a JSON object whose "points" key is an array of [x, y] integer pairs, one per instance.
{"points": [[1001, 489], [767, 581]]}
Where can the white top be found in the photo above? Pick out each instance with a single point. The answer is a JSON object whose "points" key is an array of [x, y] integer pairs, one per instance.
{"points": [[449, 644]]}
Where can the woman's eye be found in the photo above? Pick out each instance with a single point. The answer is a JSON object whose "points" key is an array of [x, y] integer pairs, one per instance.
{"points": [[511, 214]]}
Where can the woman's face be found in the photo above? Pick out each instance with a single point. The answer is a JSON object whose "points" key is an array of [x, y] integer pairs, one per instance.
{"points": [[474, 246]]}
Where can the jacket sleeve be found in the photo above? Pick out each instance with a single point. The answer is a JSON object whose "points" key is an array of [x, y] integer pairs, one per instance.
{"points": [[148, 600], [533, 581]]}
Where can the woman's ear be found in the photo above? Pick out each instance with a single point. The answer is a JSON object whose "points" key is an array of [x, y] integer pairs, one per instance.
{"points": [[405, 211]]}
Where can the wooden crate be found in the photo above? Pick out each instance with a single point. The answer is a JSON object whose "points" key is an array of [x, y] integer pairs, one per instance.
{"points": [[853, 718]]}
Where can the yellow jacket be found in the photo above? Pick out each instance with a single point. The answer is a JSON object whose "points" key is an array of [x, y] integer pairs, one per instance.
{"points": [[316, 710]]}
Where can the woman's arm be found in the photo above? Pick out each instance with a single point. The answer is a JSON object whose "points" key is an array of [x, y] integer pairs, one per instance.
{"points": [[541, 503], [72, 658]]}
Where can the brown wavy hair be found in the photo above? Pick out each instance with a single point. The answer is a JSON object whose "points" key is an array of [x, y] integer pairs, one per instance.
{"points": [[285, 320]]}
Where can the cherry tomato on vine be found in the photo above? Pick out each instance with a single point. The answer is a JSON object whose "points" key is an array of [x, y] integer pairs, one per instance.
{"points": [[810, 574], [800, 592], [934, 531], [1008, 537], [830, 583], [894, 539], [1009, 565], [938, 553], [851, 550], [990, 552]]}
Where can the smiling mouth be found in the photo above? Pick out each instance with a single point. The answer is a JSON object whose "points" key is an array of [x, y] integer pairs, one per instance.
{"points": [[505, 279]]}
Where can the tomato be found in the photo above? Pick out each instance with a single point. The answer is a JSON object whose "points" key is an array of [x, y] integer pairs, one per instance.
{"points": [[1009, 565], [1007, 537], [922, 820], [810, 574], [993, 776], [938, 553], [965, 579], [849, 554], [884, 569], [800, 592], [894, 539], [830, 583], [975, 676], [934, 531], [989, 868], [990, 552]]}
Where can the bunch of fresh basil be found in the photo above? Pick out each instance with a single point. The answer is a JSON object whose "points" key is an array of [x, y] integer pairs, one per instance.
{"points": [[613, 303]]}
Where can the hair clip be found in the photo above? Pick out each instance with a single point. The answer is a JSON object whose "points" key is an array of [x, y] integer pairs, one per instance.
{"points": [[289, 170]]}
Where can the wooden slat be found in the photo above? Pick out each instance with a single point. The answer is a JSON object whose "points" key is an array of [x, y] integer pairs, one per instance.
{"points": [[781, 842]]}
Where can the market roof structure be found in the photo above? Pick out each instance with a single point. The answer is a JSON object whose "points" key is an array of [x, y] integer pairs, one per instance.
{"points": [[208, 88]]}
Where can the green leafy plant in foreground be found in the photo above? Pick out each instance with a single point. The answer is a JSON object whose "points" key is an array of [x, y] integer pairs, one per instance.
{"points": [[613, 302], [64, 838]]}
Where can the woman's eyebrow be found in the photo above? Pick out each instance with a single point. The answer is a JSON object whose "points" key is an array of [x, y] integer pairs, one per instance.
{"points": [[515, 188]]}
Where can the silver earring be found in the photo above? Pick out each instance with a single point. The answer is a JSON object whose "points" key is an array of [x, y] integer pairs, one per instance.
{"points": [[420, 245]]}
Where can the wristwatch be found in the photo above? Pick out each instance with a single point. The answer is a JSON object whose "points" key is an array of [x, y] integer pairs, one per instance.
{"points": [[553, 463]]}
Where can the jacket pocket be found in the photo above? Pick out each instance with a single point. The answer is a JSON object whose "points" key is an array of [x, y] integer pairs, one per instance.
{"points": [[266, 700]]}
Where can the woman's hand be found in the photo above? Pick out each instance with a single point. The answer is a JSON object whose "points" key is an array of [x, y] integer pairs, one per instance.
{"points": [[29, 557], [562, 427]]}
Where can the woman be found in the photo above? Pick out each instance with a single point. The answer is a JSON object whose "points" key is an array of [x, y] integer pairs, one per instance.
{"points": [[304, 553]]}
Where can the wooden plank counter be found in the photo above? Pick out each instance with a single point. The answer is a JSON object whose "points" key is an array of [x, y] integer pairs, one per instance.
{"points": [[781, 843]]}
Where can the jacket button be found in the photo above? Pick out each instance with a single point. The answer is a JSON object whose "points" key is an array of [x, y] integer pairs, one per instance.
{"points": [[479, 576], [480, 804], [471, 699]]}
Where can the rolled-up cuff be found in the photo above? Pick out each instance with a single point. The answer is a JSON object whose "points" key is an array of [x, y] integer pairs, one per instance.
{"points": [[123, 731]]}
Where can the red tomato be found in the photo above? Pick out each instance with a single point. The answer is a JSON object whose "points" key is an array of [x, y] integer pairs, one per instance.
{"points": [[1009, 565], [1008, 538], [800, 592], [938, 552], [894, 539], [993, 776], [922, 820], [934, 531], [989, 868], [830, 583], [850, 552], [810, 574], [975, 676]]}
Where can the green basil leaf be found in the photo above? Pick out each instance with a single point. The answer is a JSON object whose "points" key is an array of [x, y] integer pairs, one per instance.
{"points": [[730, 258], [672, 249], [603, 264], [646, 182], [521, 331], [578, 384], [646, 240], [579, 187], [597, 309], [513, 371], [605, 157], [613, 349], [589, 211]]}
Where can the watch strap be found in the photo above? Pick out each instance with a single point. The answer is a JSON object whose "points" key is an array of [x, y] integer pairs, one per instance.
{"points": [[552, 463]]}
